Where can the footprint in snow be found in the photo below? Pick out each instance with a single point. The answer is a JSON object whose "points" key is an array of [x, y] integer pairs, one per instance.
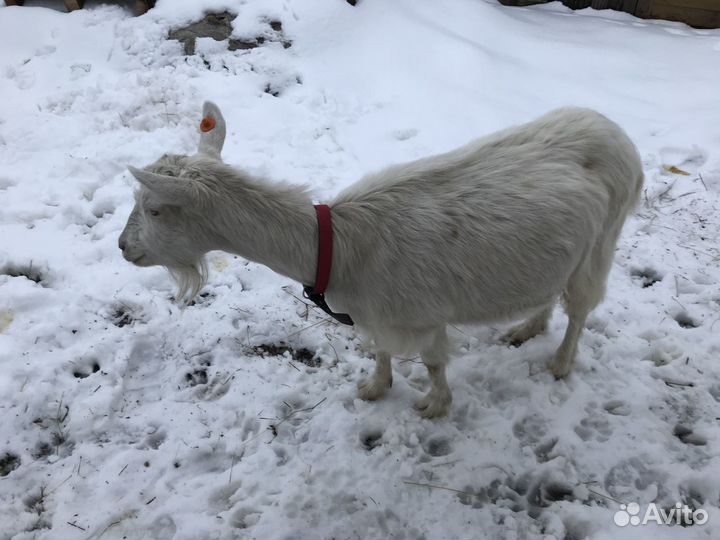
{"points": [[686, 321], [688, 436], [532, 431], [438, 446], [405, 134], [213, 389], [646, 276], [85, 368], [631, 478], [154, 439], [617, 407], [245, 517], [45, 50], [370, 438], [23, 78], [595, 426]]}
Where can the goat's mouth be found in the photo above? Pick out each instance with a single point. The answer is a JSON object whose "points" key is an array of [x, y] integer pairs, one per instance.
{"points": [[142, 260], [139, 260]]}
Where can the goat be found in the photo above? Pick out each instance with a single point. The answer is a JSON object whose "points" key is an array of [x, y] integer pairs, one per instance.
{"points": [[500, 228]]}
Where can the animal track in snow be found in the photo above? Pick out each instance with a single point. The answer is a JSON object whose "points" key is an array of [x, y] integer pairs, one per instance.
{"points": [[84, 369], [5, 182], [544, 450], [528, 492], [685, 321], [281, 455], [27, 271], [617, 407], [154, 439], [163, 527], [245, 517], [203, 299], [221, 498], [405, 134], [8, 463], [646, 277], [496, 493], [23, 78], [630, 478], [196, 377], [250, 427], [530, 429], [688, 436], [438, 446], [45, 50], [594, 426], [122, 315], [213, 389], [302, 355], [370, 438]]}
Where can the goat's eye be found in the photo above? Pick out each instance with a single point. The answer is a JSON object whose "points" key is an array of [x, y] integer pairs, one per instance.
{"points": [[154, 213]]}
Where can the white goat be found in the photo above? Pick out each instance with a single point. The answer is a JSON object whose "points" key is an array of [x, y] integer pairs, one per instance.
{"points": [[495, 230]]}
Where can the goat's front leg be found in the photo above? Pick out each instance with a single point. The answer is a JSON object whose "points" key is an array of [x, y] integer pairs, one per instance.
{"points": [[374, 387], [437, 401]]}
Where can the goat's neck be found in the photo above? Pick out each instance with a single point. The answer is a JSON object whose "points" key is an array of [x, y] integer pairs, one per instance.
{"points": [[272, 225]]}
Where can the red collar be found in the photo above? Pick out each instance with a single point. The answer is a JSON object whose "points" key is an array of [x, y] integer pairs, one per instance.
{"points": [[325, 248], [324, 264]]}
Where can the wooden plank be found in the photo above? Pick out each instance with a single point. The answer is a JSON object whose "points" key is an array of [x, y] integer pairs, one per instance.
{"points": [[697, 13], [620, 5], [629, 6], [577, 4], [698, 18], [643, 8], [72, 5], [608, 4], [597, 4], [522, 2], [708, 5]]}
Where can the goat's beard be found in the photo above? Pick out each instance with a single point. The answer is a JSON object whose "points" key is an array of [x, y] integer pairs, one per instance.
{"points": [[189, 279]]}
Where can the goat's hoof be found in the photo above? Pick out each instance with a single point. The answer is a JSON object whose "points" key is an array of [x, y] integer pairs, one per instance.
{"points": [[519, 335], [371, 388], [560, 369], [434, 405]]}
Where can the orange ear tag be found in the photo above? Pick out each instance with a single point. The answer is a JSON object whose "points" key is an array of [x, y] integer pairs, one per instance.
{"points": [[207, 124]]}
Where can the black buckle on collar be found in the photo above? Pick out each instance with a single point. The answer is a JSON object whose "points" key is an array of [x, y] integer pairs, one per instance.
{"points": [[319, 301]]}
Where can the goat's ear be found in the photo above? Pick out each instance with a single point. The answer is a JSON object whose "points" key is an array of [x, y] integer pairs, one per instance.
{"points": [[175, 191], [212, 130]]}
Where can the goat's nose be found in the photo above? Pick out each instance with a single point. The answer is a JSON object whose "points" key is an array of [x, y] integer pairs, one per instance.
{"points": [[122, 245]]}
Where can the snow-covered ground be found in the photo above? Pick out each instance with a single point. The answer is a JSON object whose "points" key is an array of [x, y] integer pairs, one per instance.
{"points": [[122, 416]]}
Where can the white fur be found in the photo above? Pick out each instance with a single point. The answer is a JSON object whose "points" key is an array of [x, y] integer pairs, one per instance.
{"points": [[497, 229]]}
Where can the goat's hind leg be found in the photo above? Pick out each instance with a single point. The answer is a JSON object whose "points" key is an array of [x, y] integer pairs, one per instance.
{"points": [[375, 386], [438, 400], [535, 325], [585, 289], [564, 360]]}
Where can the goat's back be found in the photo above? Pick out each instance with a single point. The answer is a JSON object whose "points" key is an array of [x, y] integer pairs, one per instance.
{"points": [[485, 231]]}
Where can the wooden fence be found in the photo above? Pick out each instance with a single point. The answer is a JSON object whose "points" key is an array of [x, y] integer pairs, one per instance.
{"points": [[697, 13]]}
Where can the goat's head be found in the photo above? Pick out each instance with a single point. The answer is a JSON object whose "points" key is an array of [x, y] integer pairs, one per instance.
{"points": [[168, 225]]}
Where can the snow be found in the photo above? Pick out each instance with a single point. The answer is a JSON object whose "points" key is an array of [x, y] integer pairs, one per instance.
{"points": [[123, 416]]}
